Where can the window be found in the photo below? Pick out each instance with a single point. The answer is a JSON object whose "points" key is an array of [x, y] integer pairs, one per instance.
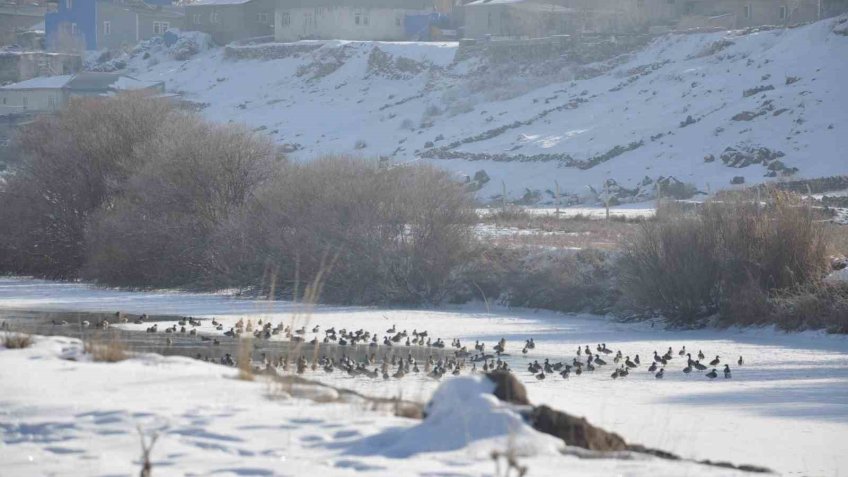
{"points": [[263, 18], [356, 18], [107, 28], [285, 19], [69, 4], [748, 11], [783, 13], [214, 18], [51, 102], [197, 19], [160, 27], [74, 29], [364, 19]]}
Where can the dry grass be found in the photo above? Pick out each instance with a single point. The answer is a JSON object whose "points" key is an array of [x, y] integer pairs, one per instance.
{"points": [[837, 238], [11, 340], [110, 349], [548, 231], [243, 359]]}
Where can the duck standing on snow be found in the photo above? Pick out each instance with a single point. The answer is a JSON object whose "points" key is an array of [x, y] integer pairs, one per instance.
{"points": [[740, 361], [712, 374], [660, 374], [726, 371], [715, 361]]}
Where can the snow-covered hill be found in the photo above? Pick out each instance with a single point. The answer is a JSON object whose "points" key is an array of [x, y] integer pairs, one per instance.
{"points": [[703, 108]]}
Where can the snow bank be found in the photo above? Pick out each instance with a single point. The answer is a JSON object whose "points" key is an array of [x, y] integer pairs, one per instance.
{"points": [[462, 413]]}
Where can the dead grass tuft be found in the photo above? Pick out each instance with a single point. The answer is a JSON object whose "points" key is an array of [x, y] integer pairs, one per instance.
{"points": [[111, 349], [13, 340]]}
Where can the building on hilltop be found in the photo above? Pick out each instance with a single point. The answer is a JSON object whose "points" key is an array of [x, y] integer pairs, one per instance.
{"points": [[231, 20], [49, 94], [377, 20], [19, 16], [76, 25]]}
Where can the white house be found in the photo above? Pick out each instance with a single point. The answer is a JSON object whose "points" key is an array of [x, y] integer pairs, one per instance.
{"points": [[345, 19], [51, 93], [34, 95]]}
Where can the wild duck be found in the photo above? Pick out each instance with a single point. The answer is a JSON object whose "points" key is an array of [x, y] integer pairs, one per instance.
{"points": [[715, 361], [712, 374], [636, 360], [682, 351], [657, 357], [653, 367], [614, 374], [726, 371], [599, 361], [628, 363], [700, 354], [660, 373], [540, 376], [739, 362], [700, 367], [687, 369]]}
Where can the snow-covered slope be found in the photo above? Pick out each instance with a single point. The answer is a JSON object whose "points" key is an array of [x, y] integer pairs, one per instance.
{"points": [[659, 111]]}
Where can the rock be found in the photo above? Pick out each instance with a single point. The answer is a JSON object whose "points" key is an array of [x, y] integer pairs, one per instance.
{"points": [[575, 431], [481, 176], [508, 388], [709, 158], [737, 180]]}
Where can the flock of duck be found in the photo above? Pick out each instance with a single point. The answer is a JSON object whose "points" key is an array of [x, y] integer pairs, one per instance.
{"points": [[396, 364], [622, 365]]}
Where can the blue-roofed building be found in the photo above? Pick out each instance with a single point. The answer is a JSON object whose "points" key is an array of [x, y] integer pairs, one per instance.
{"points": [[73, 25]]}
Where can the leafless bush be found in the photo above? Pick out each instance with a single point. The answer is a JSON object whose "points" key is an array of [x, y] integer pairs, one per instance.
{"points": [[823, 305], [395, 233], [569, 281], [70, 165], [195, 174], [727, 256]]}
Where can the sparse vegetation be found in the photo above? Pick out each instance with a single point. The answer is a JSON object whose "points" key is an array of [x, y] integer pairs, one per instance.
{"points": [[110, 349], [729, 258], [12, 340]]}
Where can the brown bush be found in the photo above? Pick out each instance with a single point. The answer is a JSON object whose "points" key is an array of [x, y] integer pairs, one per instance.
{"points": [[727, 256], [823, 305], [194, 175], [70, 165], [388, 234]]}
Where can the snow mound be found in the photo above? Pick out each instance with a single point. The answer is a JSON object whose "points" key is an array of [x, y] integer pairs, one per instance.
{"points": [[463, 413]]}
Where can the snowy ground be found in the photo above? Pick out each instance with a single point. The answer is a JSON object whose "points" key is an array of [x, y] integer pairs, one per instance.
{"points": [[679, 96], [62, 417], [786, 408]]}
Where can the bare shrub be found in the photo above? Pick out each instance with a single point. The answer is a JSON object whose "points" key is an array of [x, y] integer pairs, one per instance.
{"points": [[393, 233], [727, 256], [823, 305], [563, 281], [11, 340], [195, 174], [70, 165]]}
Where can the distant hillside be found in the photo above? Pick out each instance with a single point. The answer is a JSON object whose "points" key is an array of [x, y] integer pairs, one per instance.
{"points": [[706, 109]]}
